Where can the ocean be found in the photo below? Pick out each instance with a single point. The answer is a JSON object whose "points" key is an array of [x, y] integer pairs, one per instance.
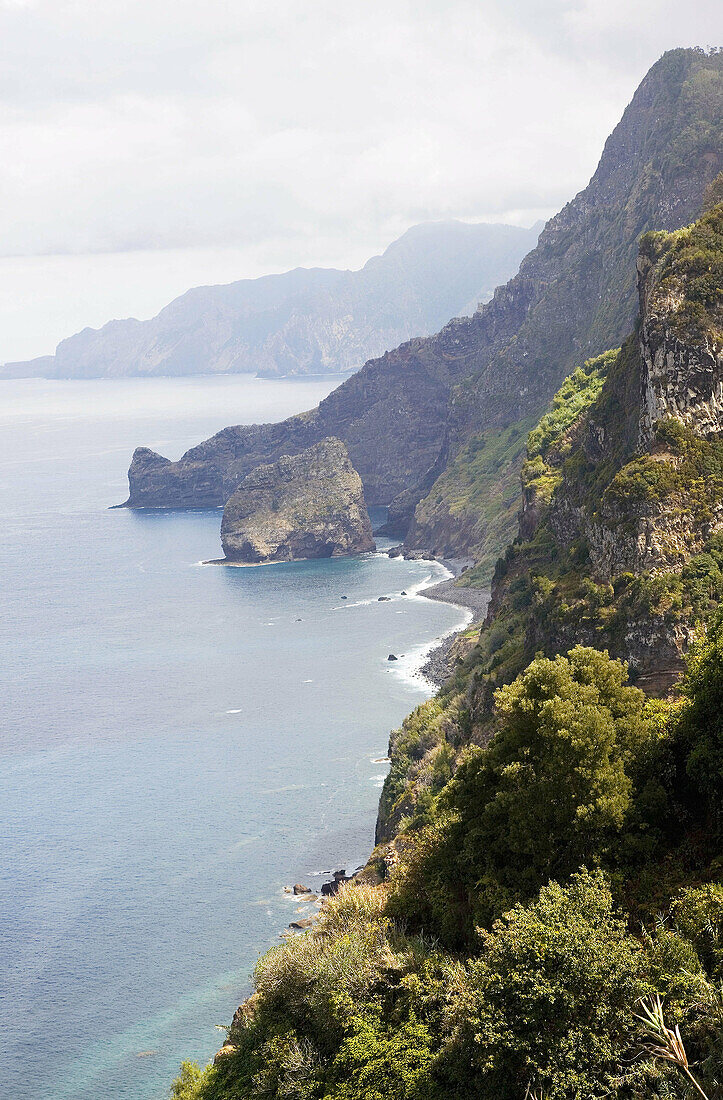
{"points": [[179, 741]]}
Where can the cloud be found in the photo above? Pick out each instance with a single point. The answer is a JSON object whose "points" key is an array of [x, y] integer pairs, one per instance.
{"points": [[149, 124]]}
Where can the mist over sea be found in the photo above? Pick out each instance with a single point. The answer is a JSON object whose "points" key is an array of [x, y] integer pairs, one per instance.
{"points": [[178, 742]]}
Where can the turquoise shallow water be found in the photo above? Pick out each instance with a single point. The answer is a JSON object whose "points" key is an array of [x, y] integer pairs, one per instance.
{"points": [[178, 741]]}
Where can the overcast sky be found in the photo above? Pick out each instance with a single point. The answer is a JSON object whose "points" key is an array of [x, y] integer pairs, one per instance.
{"points": [[150, 145]]}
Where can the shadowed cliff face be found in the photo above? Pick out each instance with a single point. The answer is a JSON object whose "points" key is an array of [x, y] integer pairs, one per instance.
{"points": [[309, 505], [408, 417], [577, 288]]}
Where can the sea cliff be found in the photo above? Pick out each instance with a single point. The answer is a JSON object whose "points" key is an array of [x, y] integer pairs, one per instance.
{"points": [[309, 505], [546, 892], [436, 428], [542, 915]]}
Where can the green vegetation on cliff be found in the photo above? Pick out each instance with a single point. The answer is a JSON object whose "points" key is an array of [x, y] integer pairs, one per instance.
{"points": [[567, 871], [691, 271], [475, 501], [672, 131], [548, 867]]}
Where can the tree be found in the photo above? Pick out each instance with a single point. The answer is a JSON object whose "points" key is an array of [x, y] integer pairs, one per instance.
{"points": [[552, 996], [700, 734], [552, 790]]}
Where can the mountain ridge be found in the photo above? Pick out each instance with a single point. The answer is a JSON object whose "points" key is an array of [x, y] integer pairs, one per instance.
{"points": [[424, 423], [303, 321]]}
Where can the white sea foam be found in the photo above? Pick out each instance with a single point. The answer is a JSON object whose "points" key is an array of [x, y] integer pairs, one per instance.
{"points": [[357, 603], [408, 668]]}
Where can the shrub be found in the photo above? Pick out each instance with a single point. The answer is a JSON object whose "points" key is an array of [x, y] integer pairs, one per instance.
{"points": [[552, 790], [375, 1063], [698, 914], [552, 994], [188, 1083]]}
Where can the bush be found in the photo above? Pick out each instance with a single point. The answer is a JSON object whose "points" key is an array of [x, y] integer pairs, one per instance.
{"points": [[188, 1083], [552, 790], [698, 914], [382, 1064], [552, 996]]}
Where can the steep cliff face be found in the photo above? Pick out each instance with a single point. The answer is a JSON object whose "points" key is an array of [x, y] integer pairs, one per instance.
{"points": [[309, 505], [624, 549], [577, 288], [306, 321], [681, 330], [390, 416], [427, 421], [621, 529]]}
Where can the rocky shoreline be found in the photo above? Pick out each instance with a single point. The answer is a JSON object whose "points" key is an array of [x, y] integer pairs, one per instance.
{"points": [[440, 662]]}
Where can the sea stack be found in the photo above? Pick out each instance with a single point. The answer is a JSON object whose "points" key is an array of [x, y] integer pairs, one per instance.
{"points": [[308, 505]]}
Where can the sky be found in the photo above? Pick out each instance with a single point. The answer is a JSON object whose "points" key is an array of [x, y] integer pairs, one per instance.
{"points": [[149, 145]]}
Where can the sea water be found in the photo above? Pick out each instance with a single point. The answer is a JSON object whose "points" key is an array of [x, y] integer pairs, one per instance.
{"points": [[179, 741]]}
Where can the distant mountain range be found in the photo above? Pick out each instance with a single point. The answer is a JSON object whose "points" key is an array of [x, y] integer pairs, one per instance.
{"points": [[308, 321]]}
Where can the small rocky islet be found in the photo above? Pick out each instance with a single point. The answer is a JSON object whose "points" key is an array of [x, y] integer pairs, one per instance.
{"points": [[308, 505]]}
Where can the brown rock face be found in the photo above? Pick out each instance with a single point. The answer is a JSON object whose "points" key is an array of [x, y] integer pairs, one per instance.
{"points": [[309, 505]]}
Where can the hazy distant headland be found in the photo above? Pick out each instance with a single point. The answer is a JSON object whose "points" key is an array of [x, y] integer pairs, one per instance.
{"points": [[308, 321]]}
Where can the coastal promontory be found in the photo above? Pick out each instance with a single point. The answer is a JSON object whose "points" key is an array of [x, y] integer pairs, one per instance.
{"points": [[308, 505]]}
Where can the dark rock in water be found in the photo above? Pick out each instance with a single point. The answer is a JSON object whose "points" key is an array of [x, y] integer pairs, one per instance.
{"points": [[392, 657], [305, 922], [299, 620], [308, 505], [394, 552], [345, 597], [301, 889], [328, 889], [384, 599], [403, 593]]}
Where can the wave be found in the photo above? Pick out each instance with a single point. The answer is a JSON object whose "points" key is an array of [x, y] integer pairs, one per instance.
{"points": [[408, 668]]}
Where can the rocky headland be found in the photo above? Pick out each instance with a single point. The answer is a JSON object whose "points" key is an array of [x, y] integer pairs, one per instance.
{"points": [[309, 505], [437, 427]]}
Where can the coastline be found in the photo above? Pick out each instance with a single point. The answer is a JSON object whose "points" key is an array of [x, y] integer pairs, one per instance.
{"points": [[439, 662], [436, 666]]}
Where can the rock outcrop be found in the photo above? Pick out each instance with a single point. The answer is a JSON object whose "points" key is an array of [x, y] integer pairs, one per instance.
{"points": [[424, 421], [681, 349], [626, 546], [309, 505]]}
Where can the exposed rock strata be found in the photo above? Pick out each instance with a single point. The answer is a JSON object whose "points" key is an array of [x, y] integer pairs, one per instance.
{"points": [[640, 487], [682, 371], [309, 505]]}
